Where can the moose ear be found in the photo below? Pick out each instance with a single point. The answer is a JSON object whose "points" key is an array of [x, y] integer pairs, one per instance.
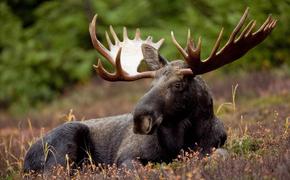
{"points": [[152, 57]]}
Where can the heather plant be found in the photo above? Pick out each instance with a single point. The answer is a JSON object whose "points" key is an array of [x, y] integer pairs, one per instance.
{"points": [[45, 47]]}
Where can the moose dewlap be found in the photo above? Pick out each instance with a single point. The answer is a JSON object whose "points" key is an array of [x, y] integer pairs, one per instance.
{"points": [[176, 113]]}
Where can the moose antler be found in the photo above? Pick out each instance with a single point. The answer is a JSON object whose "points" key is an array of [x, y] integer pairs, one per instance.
{"points": [[127, 50], [232, 50]]}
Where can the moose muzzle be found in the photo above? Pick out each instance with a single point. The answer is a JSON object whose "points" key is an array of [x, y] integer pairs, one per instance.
{"points": [[146, 124], [143, 126]]}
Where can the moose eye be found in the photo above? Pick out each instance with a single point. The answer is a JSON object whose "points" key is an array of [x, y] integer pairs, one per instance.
{"points": [[178, 86]]}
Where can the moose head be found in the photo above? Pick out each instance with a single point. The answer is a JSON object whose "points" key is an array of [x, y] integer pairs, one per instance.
{"points": [[176, 91]]}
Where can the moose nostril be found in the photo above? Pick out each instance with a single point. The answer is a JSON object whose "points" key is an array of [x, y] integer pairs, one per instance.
{"points": [[143, 124], [147, 123]]}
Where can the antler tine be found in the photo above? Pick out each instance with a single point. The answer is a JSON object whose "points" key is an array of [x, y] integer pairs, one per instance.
{"points": [[149, 39], [264, 24], [125, 34], [239, 26], [268, 27], [193, 53], [119, 71], [232, 50], [250, 30], [217, 44], [159, 43], [102, 72], [116, 39], [119, 75], [97, 45], [108, 40], [137, 34], [189, 38], [181, 50], [274, 24]]}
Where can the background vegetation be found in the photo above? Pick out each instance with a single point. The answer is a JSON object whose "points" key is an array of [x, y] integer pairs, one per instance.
{"points": [[45, 47]]}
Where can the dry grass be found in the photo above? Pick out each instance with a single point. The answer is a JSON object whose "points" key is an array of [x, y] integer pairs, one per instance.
{"points": [[257, 122]]}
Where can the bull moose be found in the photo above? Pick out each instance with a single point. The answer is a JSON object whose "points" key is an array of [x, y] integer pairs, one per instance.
{"points": [[176, 113]]}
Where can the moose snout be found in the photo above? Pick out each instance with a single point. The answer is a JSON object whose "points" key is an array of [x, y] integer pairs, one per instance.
{"points": [[146, 122], [147, 114]]}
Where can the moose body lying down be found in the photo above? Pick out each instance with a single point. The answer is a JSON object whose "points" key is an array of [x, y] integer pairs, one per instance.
{"points": [[176, 113]]}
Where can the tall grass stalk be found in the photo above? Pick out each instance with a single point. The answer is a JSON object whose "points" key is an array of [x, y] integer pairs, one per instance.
{"points": [[231, 104]]}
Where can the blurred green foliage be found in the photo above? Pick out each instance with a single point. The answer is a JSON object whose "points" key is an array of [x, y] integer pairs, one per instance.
{"points": [[45, 46], [245, 145]]}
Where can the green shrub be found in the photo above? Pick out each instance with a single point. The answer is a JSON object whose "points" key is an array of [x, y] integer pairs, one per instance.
{"points": [[38, 62]]}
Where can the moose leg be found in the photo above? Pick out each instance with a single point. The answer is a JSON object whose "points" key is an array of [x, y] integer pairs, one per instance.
{"points": [[215, 137], [68, 143]]}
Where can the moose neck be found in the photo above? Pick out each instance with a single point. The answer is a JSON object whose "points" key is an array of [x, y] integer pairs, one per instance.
{"points": [[183, 134], [171, 136], [183, 131]]}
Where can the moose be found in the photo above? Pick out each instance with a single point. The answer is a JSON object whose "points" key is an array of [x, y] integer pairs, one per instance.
{"points": [[176, 113]]}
